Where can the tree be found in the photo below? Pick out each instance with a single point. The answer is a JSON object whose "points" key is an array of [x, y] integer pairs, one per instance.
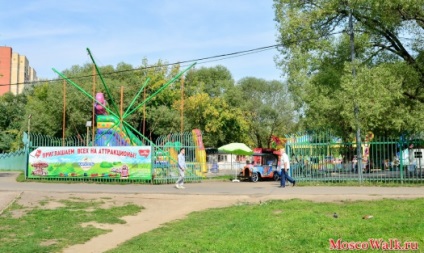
{"points": [[11, 116], [215, 81], [45, 104], [267, 108], [220, 123], [160, 117], [316, 56], [162, 121], [211, 107]]}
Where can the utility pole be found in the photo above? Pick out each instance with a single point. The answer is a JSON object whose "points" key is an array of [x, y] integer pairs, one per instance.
{"points": [[29, 143], [356, 107], [144, 112], [64, 113], [182, 105], [29, 132], [94, 102]]}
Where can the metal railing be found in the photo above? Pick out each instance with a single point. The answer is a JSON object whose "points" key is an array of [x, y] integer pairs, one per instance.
{"points": [[313, 157], [165, 168], [329, 159]]}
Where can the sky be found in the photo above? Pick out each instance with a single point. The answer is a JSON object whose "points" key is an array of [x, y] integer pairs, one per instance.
{"points": [[55, 34]]}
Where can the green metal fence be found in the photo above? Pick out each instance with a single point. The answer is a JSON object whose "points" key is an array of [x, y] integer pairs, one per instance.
{"points": [[165, 168], [39, 140], [323, 157], [314, 157], [13, 161], [18, 160]]}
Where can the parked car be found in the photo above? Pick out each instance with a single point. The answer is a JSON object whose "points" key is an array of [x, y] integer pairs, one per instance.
{"points": [[262, 166]]}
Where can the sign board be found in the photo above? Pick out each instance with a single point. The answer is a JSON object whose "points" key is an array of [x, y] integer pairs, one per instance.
{"points": [[129, 162]]}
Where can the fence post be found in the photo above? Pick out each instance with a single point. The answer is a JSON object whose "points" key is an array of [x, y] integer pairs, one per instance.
{"points": [[401, 160]]}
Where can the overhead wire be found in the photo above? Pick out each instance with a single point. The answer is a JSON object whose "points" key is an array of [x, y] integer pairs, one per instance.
{"points": [[181, 63]]}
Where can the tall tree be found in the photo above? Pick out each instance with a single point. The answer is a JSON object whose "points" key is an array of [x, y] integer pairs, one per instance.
{"points": [[211, 106], [215, 81], [267, 107], [160, 117], [12, 109], [316, 52], [220, 123]]}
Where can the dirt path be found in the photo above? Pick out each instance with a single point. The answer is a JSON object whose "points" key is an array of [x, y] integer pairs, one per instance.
{"points": [[159, 209]]}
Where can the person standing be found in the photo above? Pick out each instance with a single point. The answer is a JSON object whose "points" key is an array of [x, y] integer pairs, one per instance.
{"points": [[285, 167], [181, 168]]}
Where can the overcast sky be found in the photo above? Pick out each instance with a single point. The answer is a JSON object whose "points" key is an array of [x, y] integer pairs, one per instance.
{"points": [[55, 34]]}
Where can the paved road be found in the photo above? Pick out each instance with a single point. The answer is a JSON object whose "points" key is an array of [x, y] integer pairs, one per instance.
{"points": [[10, 189]]}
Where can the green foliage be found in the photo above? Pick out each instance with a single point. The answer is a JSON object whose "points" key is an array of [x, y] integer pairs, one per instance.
{"points": [[211, 105], [267, 108], [215, 81], [388, 74], [219, 123], [168, 122], [11, 116]]}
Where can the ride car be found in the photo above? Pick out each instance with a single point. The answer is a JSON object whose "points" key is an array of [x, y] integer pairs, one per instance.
{"points": [[263, 166]]}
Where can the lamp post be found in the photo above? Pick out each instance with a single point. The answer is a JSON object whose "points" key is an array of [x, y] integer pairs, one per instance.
{"points": [[88, 125]]}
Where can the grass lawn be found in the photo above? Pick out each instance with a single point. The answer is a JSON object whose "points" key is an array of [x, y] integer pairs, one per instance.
{"points": [[273, 226], [51, 230], [287, 226]]}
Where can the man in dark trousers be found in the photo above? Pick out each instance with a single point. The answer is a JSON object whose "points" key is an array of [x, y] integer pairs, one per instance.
{"points": [[285, 167]]}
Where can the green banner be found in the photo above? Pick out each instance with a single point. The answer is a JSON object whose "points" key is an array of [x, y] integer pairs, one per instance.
{"points": [[129, 162]]}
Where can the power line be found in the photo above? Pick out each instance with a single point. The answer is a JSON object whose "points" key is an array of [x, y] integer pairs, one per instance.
{"points": [[182, 63]]}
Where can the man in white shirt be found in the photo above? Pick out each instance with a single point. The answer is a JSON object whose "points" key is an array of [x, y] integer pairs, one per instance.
{"points": [[285, 167]]}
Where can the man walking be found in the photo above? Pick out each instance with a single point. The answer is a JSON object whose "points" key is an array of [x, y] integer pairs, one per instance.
{"points": [[181, 167], [285, 167]]}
